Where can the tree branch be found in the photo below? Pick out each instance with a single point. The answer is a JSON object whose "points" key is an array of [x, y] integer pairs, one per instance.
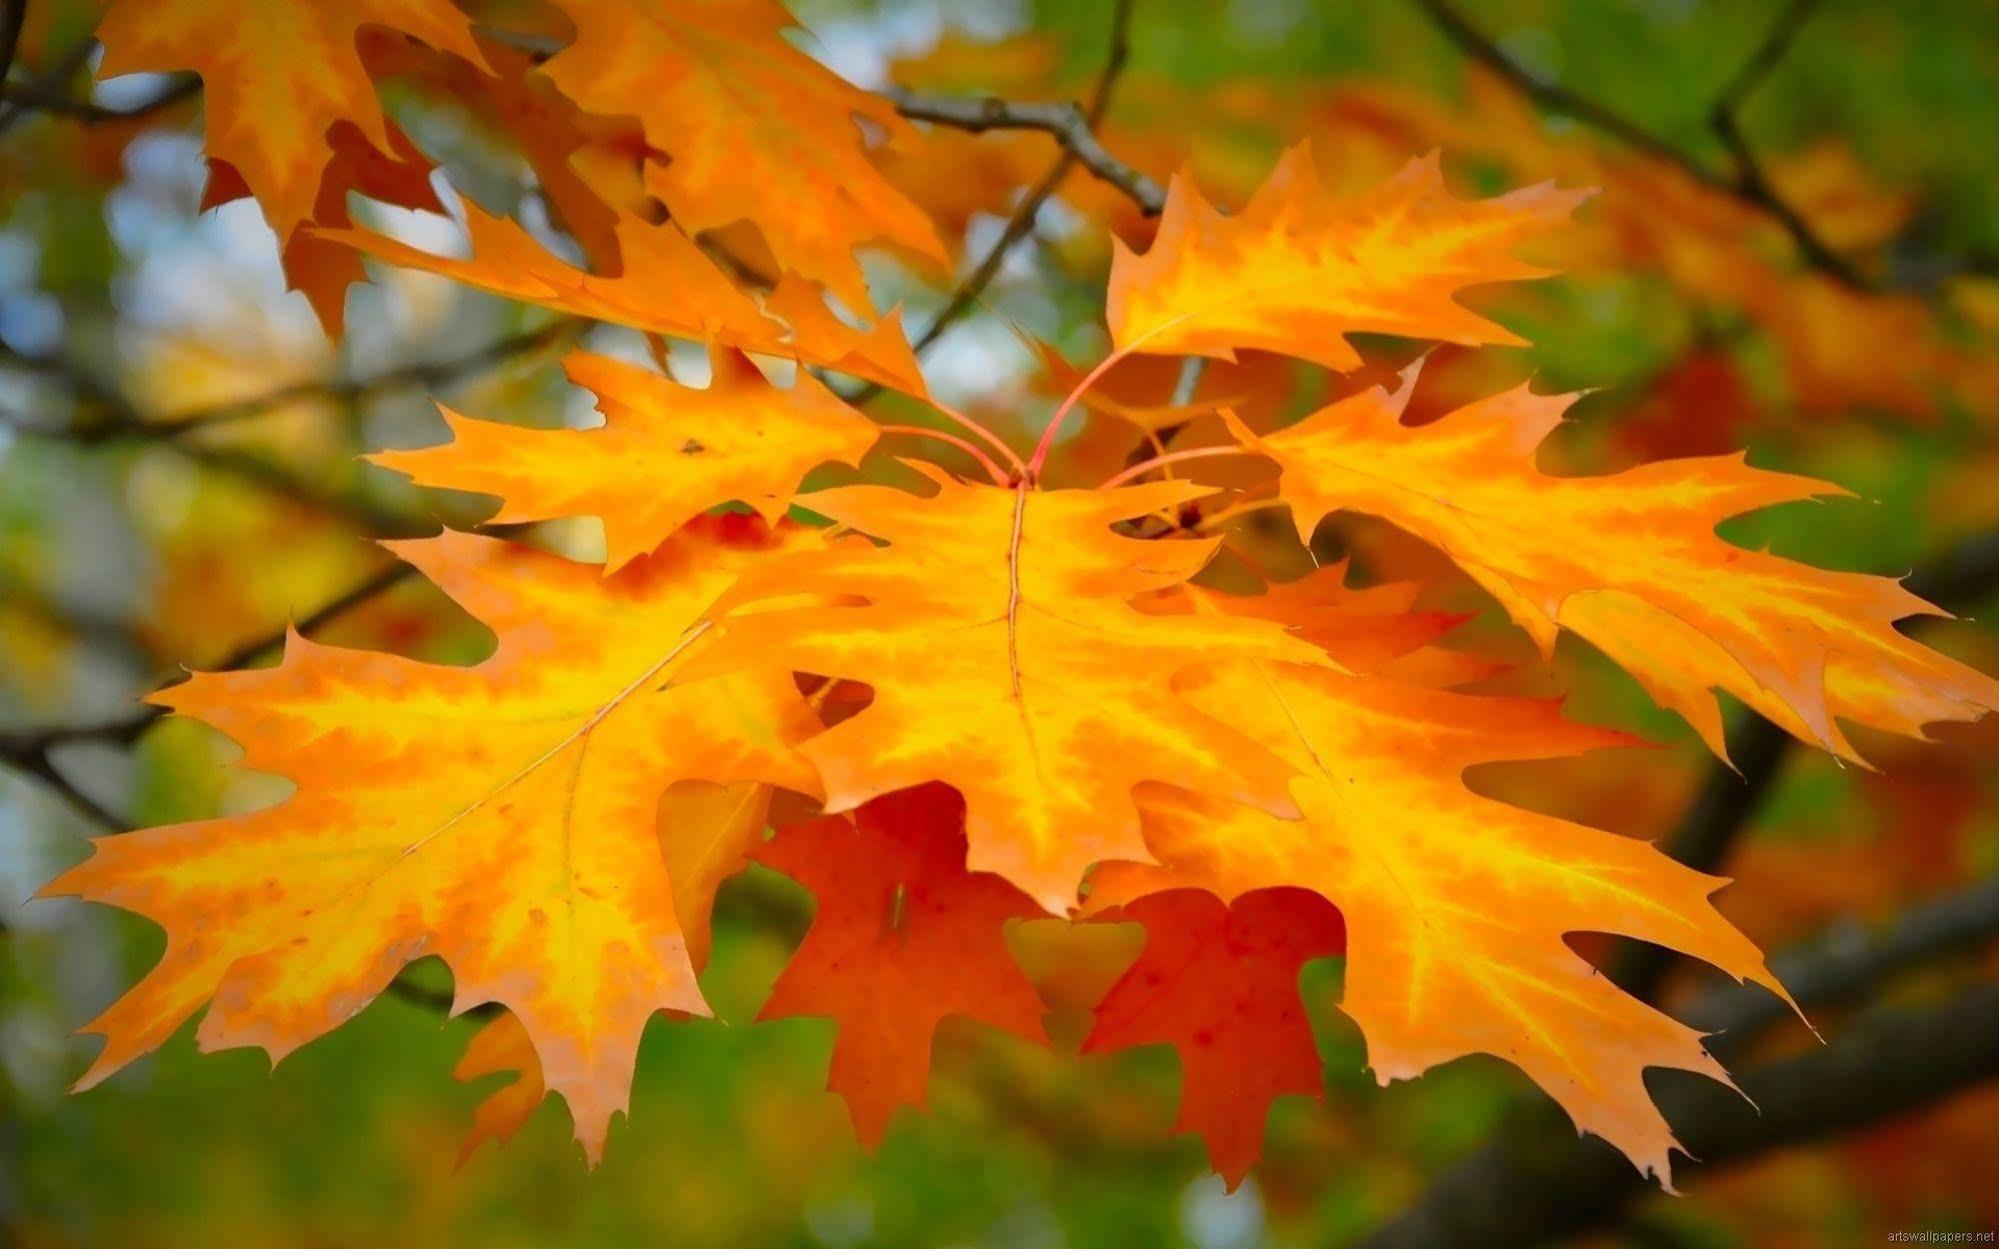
{"points": [[1068, 123], [33, 98], [1541, 1181], [1745, 183], [13, 15], [31, 752], [1538, 1180], [1073, 126], [1847, 962], [1729, 796], [1029, 209], [124, 423]]}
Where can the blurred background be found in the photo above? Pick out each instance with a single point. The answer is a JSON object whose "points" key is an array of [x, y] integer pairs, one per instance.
{"points": [[1795, 251]]}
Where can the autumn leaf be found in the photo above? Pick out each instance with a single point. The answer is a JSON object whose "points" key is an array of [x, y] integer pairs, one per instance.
{"points": [[706, 834], [1363, 629], [587, 167], [501, 816], [1631, 562], [1297, 270], [1219, 983], [1457, 906], [321, 270], [277, 78], [665, 453], [903, 938], [665, 286], [753, 129], [1006, 661], [501, 1047]]}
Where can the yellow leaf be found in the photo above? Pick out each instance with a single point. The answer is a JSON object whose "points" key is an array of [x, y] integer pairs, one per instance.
{"points": [[275, 78], [1297, 270], [501, 816], [665, 453], [665, 286], [1007, 662], [1631, 562], [1456, 906], [753, 128]]}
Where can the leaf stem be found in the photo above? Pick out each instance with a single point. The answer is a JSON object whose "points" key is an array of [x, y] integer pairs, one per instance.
{"points": [[985, 461], [990, 438], [1171, 457], [1090, 379]]}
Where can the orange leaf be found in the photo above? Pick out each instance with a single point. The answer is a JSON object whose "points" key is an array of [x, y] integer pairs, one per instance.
{"points": [[502, 1047], [1457, 906], [320, 270], [276, 77], [1219, 983], [1631, 562], [1006, 661], [1364, 630], [502, 817], [666, 286], [587, 167], [665, 453], [1297, 270], [755, 130], [904, 936]]}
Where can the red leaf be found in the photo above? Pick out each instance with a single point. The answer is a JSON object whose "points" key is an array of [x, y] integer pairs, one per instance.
{"points": [[1219, 983], [904, 936]]}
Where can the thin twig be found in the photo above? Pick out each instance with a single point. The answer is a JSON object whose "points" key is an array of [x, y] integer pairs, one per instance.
{"points": [[1171, 457], [124, 423], [1074, 127], [13, 15], [1745, 182], [1541, 1181], [31, 751], [1069, 124], [32, 99]]}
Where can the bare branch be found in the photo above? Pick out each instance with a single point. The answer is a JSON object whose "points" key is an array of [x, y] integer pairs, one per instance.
{"points": [[1540, 1181], [13, 15], [1847, 963], [124, 423], [1081, 130], [1068, 123], [1729, 796], [1746, 182], [23, 100], [32, 752], [1537, 1180], [1075, 125]]}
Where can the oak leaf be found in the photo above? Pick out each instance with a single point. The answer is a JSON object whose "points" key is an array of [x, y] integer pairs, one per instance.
{"points": [[665, 285], [501, 1047], [1219, 982], [1457, 906], [1006, 661], [501, 816], [586, 167], [316, 268], [754, 129], [1631, 562], [665, 453], [904, 937], [1297, 270], [277, 78]]}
